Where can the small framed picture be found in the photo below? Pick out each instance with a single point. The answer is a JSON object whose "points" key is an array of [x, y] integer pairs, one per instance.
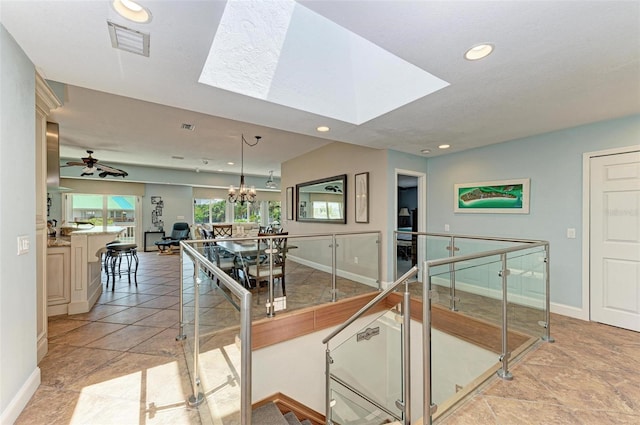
{"points": [[362, 198]]}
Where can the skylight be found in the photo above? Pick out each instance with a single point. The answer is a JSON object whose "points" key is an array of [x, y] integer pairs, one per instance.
{"points": [[282, 52]]}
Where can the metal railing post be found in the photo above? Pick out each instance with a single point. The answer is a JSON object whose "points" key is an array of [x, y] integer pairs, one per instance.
{"points": [[327, 369], [272, 309], [547, 305], [334, 261], [395, 256], [406, 355], [452, 275], [504, 357], [197, 397], [428, 409], [245, 361], [181, 335]]}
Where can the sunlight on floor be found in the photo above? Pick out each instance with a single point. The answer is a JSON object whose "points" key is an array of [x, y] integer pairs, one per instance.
{"points": [[142, 397], [220, 380]]}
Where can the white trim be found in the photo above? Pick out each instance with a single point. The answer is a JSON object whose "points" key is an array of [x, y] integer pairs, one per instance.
{"points": [[22, 397], [422, 214], [586, 221]]}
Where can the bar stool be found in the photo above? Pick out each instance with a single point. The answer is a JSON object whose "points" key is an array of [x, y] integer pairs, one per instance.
{"points": [[113, 261]]}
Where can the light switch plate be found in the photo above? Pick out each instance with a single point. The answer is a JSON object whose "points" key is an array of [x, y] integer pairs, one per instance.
{"points": [[23, 244], [571, 233]]}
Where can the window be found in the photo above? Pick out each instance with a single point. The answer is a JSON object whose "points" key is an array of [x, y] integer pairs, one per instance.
{"points": [[206, 211], [246, 213], [327, 210], [209, 211]]}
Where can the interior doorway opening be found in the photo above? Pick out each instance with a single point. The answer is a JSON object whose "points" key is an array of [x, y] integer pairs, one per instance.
{"points": [[407, 220]]}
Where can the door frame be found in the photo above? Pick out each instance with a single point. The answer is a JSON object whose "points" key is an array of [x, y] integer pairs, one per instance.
{"points": [[585, 314]]}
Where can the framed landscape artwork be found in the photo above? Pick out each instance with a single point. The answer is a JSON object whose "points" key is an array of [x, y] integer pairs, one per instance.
{"points": [[503, 196]]}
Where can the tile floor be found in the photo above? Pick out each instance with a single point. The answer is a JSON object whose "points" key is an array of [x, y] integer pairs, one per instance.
{"points": [[120, 364]]}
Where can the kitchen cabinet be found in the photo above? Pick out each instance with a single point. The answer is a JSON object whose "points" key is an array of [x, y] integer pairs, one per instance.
{"points": [[58, 280]]}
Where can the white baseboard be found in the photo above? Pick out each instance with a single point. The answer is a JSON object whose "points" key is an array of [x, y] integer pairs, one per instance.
{"points": [[22, 397], [491, 293], [341, 273], [570, 311]]}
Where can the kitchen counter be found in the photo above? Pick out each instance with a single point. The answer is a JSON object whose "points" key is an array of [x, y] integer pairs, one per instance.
{"points": [[78, 290]]}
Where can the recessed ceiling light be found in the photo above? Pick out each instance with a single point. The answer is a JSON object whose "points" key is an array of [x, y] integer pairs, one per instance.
{"points": [[479, 51], [323, 129], [426, 151], [445, 146], [230, 163], [132, 11]]}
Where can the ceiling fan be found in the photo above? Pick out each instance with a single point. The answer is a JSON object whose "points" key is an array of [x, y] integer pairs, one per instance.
{"points": [[91, 165]]}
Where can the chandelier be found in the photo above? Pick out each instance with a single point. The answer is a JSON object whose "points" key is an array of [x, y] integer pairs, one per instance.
{"points": [[243, 194]]}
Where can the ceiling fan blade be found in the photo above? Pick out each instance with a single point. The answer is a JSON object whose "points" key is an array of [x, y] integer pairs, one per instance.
{"points": [[74, 163]]}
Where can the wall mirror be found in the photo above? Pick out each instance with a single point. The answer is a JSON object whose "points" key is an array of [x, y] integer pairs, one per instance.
{"points": [[323, 200]]}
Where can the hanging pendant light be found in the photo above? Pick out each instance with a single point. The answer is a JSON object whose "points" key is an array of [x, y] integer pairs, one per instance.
{"points": [[243, 194], [270, 184]]}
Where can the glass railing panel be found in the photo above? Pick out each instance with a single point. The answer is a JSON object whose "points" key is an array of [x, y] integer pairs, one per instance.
{"points": [[436, 247], [350, 408], [527, 291], [369, 363], [308, 271], [214, 362], [357, 263]]}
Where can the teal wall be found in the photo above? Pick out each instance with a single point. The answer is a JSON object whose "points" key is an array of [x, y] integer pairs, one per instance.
{"points": [[553, 162], [17, 217]]}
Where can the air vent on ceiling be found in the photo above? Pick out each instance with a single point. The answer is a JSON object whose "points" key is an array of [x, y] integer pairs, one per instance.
{"points": [[189, 127], [177, 157], [129, 40]]}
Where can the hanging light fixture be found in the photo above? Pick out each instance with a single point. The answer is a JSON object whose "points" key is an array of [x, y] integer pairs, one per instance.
{"points": [[270, 184], [243, 194]]}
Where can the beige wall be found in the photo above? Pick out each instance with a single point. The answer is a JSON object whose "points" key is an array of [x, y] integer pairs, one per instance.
{"points": [[335, 159]]}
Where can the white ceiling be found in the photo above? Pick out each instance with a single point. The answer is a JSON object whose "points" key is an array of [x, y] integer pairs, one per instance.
{"points": [[556, 64]]}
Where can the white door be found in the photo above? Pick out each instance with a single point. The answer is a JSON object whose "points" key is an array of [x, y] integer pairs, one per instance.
{"points": [[615, 240]]}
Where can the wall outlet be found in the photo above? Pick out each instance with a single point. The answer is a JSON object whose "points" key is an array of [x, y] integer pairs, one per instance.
{"points": [[446, 227], [571, 233], [355, 260], [180, 217]]}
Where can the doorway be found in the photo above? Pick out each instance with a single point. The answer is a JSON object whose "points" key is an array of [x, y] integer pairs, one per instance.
{"points": [[410, 213], [613, 238]]}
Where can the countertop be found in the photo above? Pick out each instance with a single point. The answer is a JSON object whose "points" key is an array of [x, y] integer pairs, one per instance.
{"points": [[99, 230]]}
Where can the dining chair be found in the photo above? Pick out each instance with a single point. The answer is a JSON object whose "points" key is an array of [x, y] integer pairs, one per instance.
{"points": [[222, 230], [258, 270]]}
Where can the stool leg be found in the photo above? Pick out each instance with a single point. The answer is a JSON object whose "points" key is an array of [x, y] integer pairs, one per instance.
{"points": [[135, 272], [113, 271], [129, 261]]}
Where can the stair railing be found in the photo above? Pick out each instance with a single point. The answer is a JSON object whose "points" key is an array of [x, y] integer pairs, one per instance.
{"points": [[404, 405]]}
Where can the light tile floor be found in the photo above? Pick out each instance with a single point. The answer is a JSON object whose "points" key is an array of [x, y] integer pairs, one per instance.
{"points": [[120, 364]]}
